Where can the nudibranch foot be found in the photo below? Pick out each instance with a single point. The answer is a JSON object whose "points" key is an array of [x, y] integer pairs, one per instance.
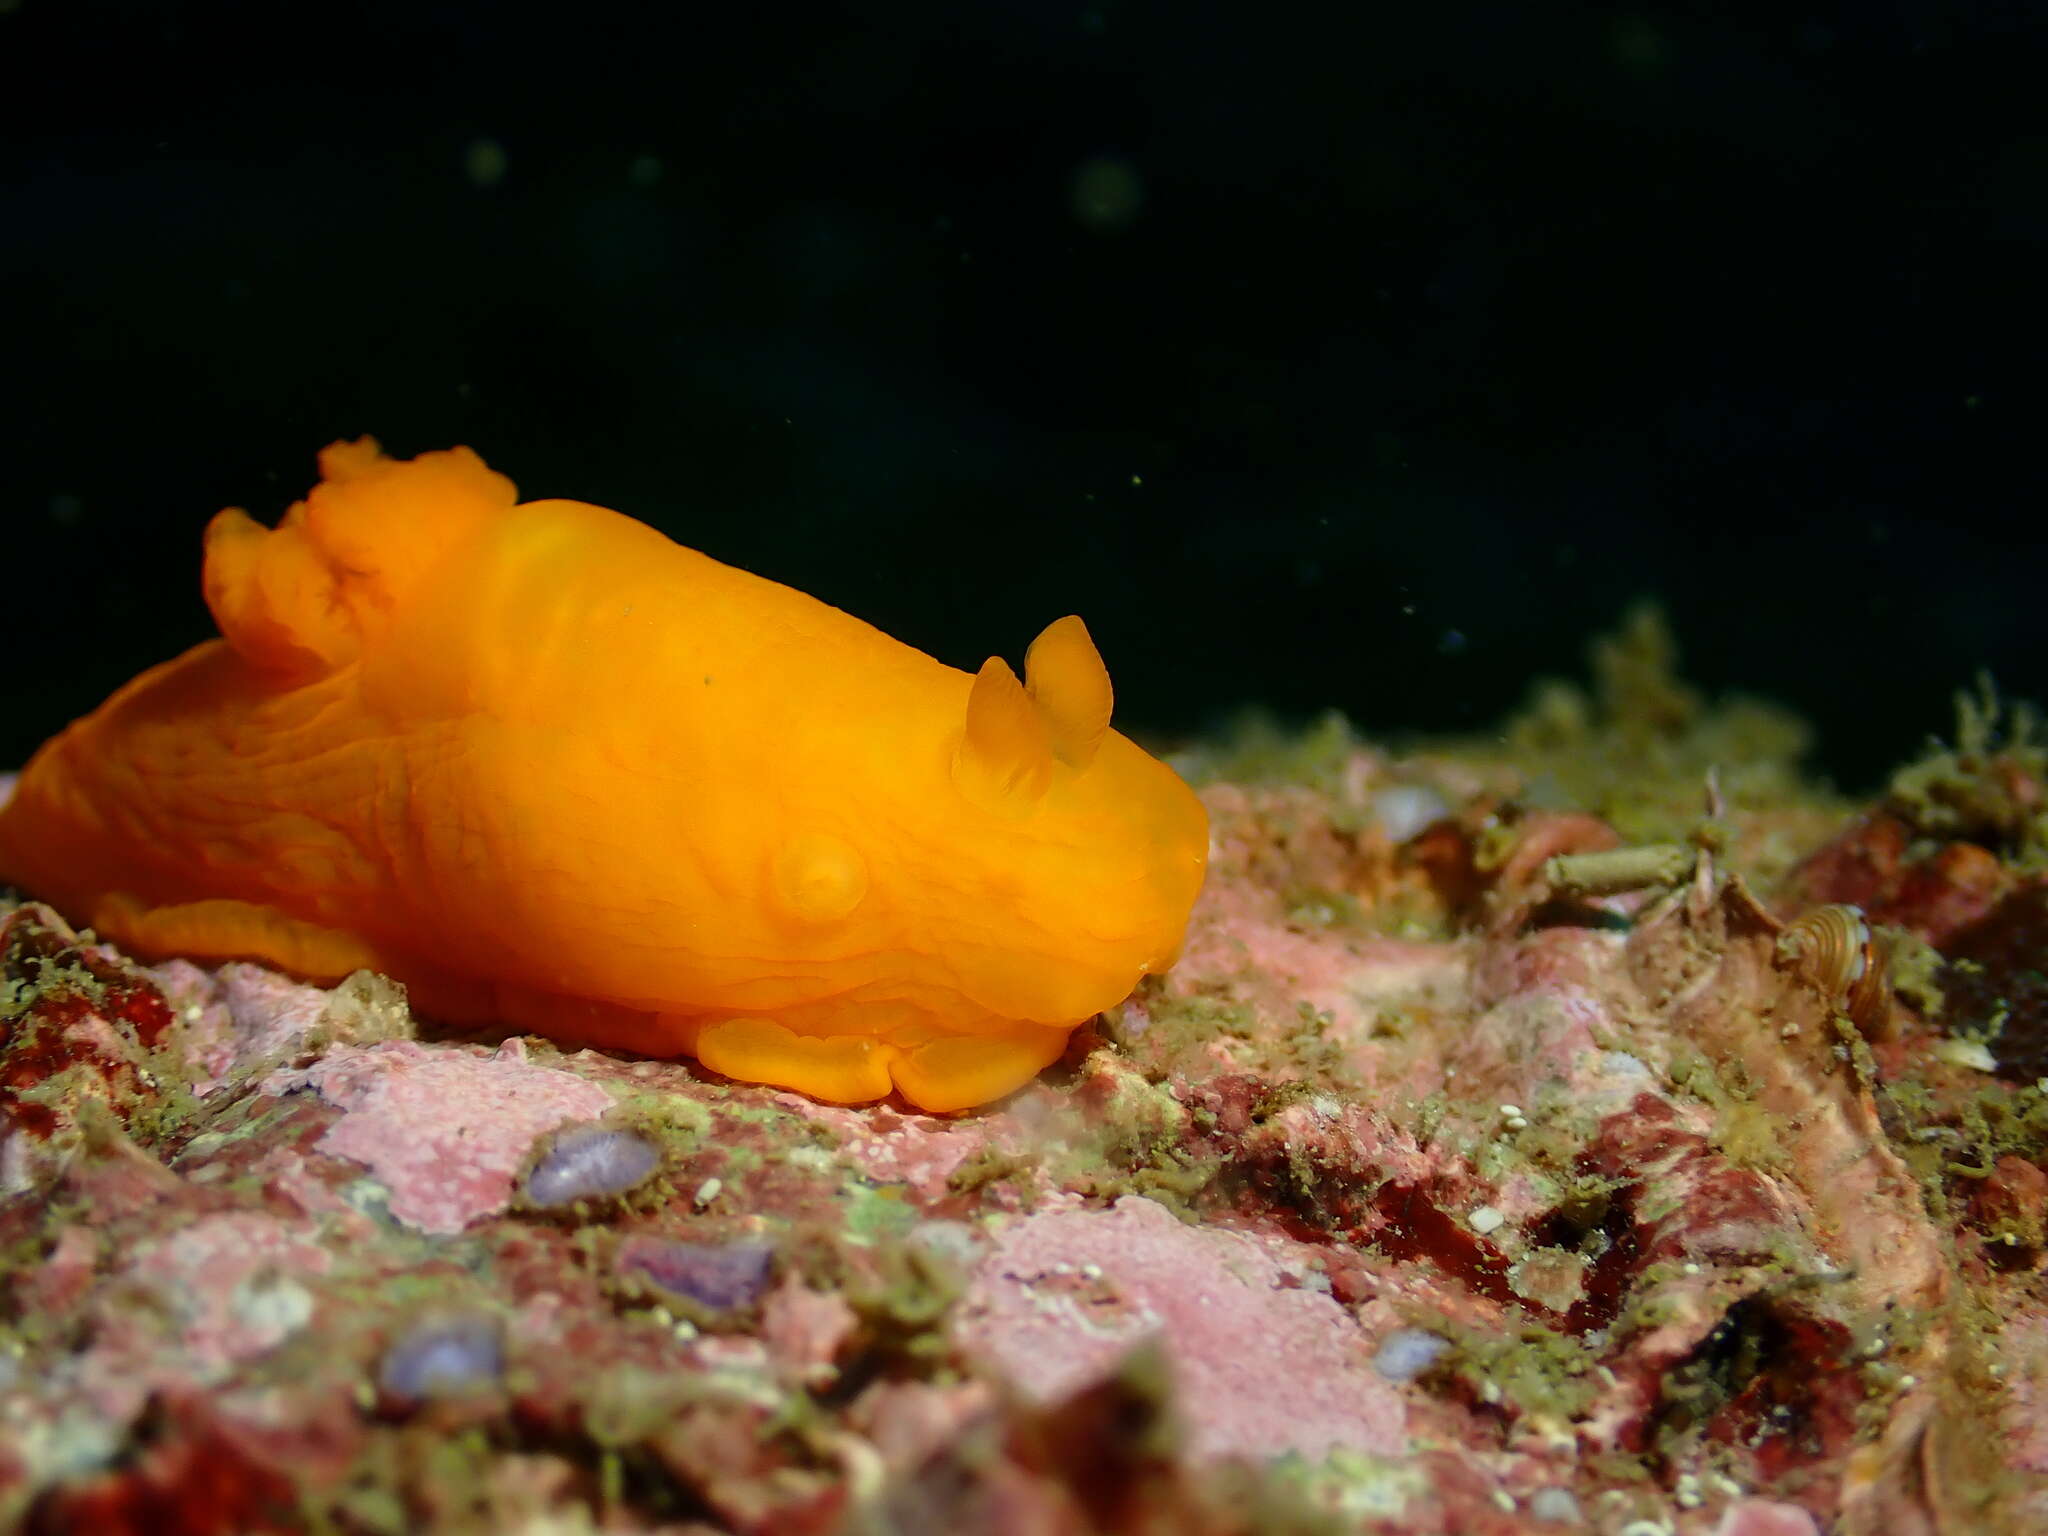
{"points": [[839, 1069], [948, 1073], [220, 928], [960, 1071]]}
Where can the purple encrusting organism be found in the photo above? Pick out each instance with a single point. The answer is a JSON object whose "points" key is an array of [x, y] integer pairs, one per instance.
{"points": [[719, 1275], [588, 1163], [443, 1357]]}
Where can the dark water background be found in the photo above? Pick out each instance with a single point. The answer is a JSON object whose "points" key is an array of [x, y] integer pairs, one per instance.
{"points": [[1356, 355]]}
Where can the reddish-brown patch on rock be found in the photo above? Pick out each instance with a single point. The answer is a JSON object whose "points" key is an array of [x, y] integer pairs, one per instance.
{"points": [[1934, 895], [78, 1008], [1713, 1211], [1444, 855], [1315, 1164], [1862, 867], [1795, 1391], [1412, 1225], [1641, 1137], [726, 1455], [1947, 891], [1541, 836], [190, 1478], [2010, 1209]]}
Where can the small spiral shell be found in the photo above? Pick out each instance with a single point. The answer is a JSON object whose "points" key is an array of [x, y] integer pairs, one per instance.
{"points": [[1835, 949]]}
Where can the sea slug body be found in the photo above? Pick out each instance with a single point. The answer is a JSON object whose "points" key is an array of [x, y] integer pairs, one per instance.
{"points": [[549, 768]]}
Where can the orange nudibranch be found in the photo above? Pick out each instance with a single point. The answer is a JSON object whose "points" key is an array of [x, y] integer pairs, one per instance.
{"points": [[547, 767]]}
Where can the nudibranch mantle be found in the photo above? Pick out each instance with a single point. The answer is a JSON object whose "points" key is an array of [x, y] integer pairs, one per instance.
{"points": [[548, 767]]}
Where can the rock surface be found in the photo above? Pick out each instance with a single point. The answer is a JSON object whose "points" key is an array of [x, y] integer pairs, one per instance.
{"points": [[1423, 1196]]}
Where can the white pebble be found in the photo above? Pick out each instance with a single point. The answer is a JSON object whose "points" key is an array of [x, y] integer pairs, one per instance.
{"points": [[1405, 809], [1555, 1506], [1406, 1353], [1972, 1054], [1485, 1219]]}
